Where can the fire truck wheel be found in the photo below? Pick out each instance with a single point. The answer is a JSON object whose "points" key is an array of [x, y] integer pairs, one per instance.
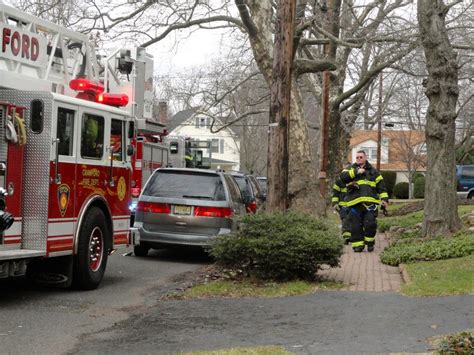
{"points": [[91, 258], [140, 250]]}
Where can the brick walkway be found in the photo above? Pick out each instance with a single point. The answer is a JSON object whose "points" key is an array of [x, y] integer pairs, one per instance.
{"points": [[364, 271]]}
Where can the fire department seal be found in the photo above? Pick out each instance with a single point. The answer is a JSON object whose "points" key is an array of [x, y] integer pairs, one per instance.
{"points": [[121, 188], [63, 198]]}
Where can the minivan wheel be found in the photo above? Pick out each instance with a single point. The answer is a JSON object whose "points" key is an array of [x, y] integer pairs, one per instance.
{"points": [[140, 250], [470, 196]]}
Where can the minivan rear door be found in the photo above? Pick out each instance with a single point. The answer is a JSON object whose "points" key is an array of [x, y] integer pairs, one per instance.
{"points": [[185, 202]]}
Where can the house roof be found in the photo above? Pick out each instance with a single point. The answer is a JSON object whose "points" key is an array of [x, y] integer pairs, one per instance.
{"points": [[399, 144], [411, 136], [179, 117]]}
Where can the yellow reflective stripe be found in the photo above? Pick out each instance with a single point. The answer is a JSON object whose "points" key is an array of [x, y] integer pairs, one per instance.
{"points": [[362, 199], [383, 195], [352, 173], [344, 190], [379, 178], [366, 182], [335, 199], [346, 234], [358, 244], [342, 203], [337, 188], [369, 239]]}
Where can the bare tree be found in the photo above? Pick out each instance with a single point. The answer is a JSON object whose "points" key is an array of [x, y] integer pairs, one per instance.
{"points": [[441, 215], [412, 153]]}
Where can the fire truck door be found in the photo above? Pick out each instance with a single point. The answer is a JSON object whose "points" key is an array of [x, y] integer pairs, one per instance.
{"points": [[120, 172], [63, 210]]}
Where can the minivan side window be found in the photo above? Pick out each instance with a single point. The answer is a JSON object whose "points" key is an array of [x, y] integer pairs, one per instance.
{"points": [[92, 133], [467, 172], [233, 189]]}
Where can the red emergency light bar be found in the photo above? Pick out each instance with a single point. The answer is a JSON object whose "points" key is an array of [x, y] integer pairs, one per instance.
{"points": [[82, 84], [112, 99]]}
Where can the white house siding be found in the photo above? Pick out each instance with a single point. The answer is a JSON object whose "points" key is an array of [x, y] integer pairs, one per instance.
{"points": [[373, 146], [231, 142]]}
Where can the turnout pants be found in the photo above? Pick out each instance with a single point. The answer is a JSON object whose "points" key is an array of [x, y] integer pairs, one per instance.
{"points": [[345, 225], [362, 219]]}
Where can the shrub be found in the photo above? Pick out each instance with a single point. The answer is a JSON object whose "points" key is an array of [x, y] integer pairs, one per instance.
{"points": [[401, 190], [459, 343], [389, 178], [279, 246], [434, 249], [417, 175], [419, 187]]}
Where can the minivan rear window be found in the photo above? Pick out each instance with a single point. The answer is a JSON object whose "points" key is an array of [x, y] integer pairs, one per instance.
{"points": [[185, 184], [243, 185]]}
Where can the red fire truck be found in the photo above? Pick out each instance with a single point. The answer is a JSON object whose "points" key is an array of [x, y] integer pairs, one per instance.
{"points": [[66, 149]]}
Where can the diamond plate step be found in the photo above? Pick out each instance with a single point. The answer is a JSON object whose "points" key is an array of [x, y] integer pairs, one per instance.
{"points": [[20, 254]]}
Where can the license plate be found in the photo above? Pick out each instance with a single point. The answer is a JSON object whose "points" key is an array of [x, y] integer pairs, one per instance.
{"points": [[182, 210]]}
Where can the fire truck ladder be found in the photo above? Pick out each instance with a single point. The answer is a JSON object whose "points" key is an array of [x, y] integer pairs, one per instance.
{"points": [[62, 54]]}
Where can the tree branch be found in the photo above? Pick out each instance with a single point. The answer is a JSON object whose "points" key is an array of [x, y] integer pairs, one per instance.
{"points": [[303, 66], [178, 26]]}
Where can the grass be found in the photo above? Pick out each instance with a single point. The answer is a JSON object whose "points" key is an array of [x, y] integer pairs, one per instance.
{"points": [[391, 208], [259, 350], [247, 288], [441, 277], [411, 219]]}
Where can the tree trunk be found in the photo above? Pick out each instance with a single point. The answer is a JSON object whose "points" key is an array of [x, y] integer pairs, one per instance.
{"points": [[440, 214], [303, 188], [302, 182]]}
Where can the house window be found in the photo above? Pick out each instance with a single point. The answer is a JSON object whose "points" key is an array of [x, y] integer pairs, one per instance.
{"points": [[422, 149], [371, 153], [202, 122], [222, 146], [196, 122], [215, 146]]}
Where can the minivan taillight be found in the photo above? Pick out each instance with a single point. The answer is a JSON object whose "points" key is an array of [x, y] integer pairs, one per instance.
{"points": [[252, 207], [203, 211], [135, 191], [153, 207]]}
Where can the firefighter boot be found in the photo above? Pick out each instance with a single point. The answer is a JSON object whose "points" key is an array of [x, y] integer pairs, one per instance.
{"points": [[358, 247], [370, 242]]}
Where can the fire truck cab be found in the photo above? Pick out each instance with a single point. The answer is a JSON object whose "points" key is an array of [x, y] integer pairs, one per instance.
{"points": [[66, 150]]}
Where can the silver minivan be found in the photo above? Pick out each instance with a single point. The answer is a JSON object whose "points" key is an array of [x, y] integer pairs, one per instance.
{"points": [[185, 207]]}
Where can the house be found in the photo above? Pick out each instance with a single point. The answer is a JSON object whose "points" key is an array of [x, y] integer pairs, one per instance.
{"points": [[225, 144], [402, 151]]}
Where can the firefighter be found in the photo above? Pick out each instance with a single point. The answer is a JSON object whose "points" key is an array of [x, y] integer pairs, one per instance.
{"points": [[188, 155], [338, 201], [365, 191]]}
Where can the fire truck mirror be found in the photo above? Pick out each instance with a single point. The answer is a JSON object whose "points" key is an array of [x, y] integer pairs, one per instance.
{"points": [[37, 114], [131, 130], [130, 150], [174, 147]]}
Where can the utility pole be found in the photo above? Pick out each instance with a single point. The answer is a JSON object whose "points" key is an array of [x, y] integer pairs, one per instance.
{"points": [[325, 104], [280, 107], [379, 130]]}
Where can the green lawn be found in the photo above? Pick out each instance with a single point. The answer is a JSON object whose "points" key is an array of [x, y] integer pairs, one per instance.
{"points": [[411, 219], [259, 350], [246, 288], [441, 277]]}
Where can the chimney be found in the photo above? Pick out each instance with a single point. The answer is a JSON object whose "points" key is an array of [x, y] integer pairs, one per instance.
{"points": [[163, 112]]}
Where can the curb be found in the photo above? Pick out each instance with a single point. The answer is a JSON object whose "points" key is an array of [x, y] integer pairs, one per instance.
{"points": [[404, 272]]}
